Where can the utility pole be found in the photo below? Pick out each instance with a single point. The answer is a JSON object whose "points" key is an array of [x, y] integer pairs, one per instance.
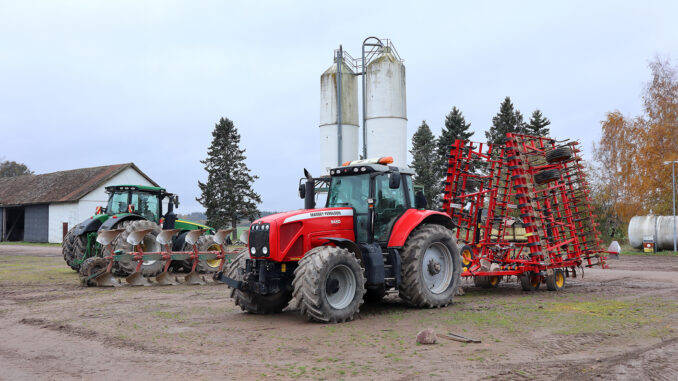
{"points": [[673, 189]]}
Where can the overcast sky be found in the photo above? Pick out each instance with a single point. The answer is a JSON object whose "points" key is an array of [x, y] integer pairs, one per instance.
{"points": [[88, 83]]}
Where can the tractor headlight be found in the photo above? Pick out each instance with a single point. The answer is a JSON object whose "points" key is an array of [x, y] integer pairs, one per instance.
{"points": [[253, 250], [264, 250]]}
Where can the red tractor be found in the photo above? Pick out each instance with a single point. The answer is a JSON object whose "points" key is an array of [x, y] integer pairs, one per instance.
{"points": [[372, 236]]}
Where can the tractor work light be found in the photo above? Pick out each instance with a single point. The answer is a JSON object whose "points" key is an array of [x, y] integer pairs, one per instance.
{"points": [[381, 160]]}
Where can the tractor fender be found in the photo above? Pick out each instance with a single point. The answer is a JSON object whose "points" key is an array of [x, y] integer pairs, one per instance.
{"points": [[89, 225], [411, 219], [118, 218], [348, 245]]}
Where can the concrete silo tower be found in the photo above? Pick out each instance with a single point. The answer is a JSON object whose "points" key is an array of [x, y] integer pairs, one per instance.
{"points": [[386, 107], [338, 107]]}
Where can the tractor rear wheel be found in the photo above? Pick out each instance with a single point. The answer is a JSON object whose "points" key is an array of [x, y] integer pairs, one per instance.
{"points": [[91, 266], [151, 267], [431, 267], [329, 285], [67, 250], [249, 301], [205, 243]]}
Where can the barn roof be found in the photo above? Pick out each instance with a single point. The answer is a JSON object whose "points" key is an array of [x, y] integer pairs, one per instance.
{"points": [[62, 186]]}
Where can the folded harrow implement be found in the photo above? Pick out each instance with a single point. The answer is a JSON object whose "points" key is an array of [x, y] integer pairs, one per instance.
{"points": [[533, 181]]}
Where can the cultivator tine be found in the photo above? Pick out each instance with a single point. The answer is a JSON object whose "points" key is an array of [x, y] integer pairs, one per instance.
{"points": [[165, 239]]}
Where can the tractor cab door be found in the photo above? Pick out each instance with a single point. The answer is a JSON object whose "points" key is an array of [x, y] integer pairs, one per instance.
{"points": [[353, 191], [389, 204], [146, 205]]}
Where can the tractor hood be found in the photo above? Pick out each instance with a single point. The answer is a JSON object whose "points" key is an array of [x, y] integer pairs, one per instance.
{"points": [[287, 236]]}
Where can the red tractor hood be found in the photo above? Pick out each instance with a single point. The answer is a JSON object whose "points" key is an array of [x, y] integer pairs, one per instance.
{"points": [[291, 234]]}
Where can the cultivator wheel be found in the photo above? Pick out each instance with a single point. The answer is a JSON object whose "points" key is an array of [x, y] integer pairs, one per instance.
{"points": [[249, 301], [559, 154], [530, 281], [431, 265], [486, 281], [555, 281], [466, 257], [67, 250], [329, 285], [149, 267]]}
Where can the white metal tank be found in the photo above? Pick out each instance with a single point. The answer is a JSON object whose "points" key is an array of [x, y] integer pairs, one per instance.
{"points": [[386, 115], [329, 151], [660, 228]]}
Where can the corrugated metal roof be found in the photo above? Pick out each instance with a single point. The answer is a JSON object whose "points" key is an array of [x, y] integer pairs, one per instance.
{"points": [[62, 186]]}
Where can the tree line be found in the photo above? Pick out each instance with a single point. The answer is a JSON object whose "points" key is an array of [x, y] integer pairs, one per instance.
{"points": [[629, 175], [430, 153]]}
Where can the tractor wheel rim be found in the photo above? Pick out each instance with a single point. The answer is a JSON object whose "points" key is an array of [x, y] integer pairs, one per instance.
{"points": [[466, 258], [343, 286], [560, 279], [439, 280], [146, 243], [213, 263]]}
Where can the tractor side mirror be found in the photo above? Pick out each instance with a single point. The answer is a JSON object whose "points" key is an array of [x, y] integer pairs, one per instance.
{"points": [[394, 180], [302, 190], [176, 201], [420, 200]]}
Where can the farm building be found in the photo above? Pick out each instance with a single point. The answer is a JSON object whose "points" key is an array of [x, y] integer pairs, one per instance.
{"points": [[41, 208]]}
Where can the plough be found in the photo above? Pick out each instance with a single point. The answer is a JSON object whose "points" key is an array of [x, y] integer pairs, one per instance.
{"points": [[98, 271]]}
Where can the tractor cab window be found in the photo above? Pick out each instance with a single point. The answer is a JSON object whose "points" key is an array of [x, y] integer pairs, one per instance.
{"points": [[352, 191], [146, 205], [117, 203], [389, 204]]}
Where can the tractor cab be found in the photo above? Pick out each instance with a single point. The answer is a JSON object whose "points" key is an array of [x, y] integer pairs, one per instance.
{"points": [[145, 201], [378, 193]]}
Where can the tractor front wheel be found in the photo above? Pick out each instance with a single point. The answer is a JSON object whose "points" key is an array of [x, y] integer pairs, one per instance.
{"points": [[431, 267], [92, 266], [329, 285], [249, 301]]}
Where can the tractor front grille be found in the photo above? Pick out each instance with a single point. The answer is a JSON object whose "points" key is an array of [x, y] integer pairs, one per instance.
{"points": [[258, 240]]}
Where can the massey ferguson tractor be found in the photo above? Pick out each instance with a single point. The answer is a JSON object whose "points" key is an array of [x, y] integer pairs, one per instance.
{"points": [[372, 236], [131, 208]]}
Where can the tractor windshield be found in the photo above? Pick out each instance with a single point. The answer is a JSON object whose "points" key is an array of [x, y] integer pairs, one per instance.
{"points": [[117, 203], [352, 191]]}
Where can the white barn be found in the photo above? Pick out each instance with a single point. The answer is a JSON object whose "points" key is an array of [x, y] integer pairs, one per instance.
{"points": [[41, 208]]}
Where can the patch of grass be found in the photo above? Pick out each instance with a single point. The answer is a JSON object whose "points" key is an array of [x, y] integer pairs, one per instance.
{"points": [[35, 270], [168, 315], [30, 244]]}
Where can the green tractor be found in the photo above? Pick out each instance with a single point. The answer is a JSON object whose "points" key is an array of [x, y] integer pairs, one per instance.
{"points": [[136, 207]]}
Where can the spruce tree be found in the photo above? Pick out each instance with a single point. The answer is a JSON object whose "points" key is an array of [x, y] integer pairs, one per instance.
{"points": [[507, 120], [424, 162], [455, 128], [537, 124], [228, 195]]}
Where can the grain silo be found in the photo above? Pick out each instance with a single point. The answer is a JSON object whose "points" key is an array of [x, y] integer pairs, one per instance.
{"points": [[338, 145], [386, 107]]}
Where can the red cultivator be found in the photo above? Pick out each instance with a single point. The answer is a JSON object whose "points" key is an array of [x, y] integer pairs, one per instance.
{"points": [[531, 181], [100, 269]]}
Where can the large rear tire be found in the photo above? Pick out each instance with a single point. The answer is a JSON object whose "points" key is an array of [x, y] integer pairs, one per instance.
{"points": [[249, 301], [67, 250], [329, 285], [148, 268], [431, 267]]}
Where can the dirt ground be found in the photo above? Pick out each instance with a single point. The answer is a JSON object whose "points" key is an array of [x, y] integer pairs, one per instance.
{"points": [[619, 323]]}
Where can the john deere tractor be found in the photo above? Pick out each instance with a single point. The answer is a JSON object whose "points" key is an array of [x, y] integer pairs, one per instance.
{"points": [[134, 207]]}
